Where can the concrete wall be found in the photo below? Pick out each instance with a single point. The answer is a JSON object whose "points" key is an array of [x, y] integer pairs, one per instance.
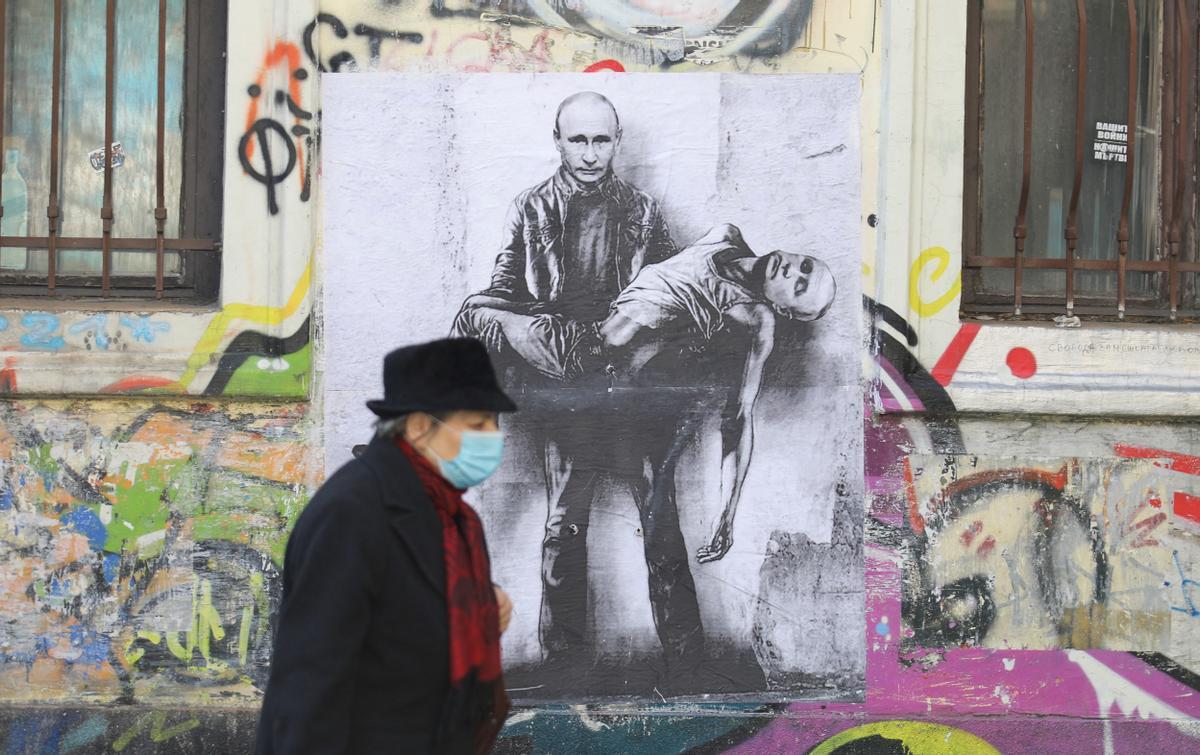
{"points": [[1033, 492]]}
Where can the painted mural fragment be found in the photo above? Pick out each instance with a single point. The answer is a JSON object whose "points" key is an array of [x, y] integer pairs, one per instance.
{"points": [[141, 548], [1072, 553]]}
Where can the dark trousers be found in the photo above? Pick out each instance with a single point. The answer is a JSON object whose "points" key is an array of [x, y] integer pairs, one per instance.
{"points": [[640, 448]]}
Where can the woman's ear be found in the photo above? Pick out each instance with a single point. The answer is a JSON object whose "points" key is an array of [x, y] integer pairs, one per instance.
{"points": [[417, 425]]}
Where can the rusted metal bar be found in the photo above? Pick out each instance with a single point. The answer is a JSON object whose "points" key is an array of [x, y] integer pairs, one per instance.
{"points": [[160, 209], [52, 210], [1019, 229], [1047, 263], [1166, 146], [128, 290], [149, 244], [1188, 239], [3, 56], [1130, 124], [972, 155], [1182, 141], [106, 210], [1072, 232]]}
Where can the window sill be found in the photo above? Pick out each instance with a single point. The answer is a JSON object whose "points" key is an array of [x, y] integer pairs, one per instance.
{"points": [[98, 304], [98, 347], [1099, 368]]}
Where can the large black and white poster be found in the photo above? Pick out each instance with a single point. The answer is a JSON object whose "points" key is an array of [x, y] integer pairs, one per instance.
{"points": [[666, 271]]}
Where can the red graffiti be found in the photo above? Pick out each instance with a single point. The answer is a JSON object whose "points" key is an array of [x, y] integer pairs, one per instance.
{"points": [[1037, 477], [1187, 506], [916, 521], [1176, 462], [1143, 529], [605, 65], [1022, 362], [968, 535], [952, 357], [502, 52], [986, 547], [8, 376]]}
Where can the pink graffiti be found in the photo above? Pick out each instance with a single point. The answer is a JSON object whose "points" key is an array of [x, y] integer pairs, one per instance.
{"points": [[489, 50]]}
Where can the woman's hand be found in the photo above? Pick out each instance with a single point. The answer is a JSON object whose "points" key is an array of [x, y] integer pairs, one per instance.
{"points": [[506, 607]]}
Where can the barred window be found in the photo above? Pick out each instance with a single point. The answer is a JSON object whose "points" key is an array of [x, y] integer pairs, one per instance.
{"points": [[146, 78], [1079, 183]]}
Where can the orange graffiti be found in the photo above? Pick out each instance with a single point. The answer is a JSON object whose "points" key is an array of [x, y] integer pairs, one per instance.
{"points": [[283, 53], [133, 384], [281, 462]]}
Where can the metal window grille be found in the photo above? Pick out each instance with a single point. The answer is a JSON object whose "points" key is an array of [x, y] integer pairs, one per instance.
{"points": [[186, 257], [1170, 263]]}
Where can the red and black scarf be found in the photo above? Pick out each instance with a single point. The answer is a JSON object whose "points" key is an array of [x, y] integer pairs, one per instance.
{"points": [[477, 699]]}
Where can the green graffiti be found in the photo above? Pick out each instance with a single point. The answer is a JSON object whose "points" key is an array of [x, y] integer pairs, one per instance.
{"points": [[250, 513], [159, 732], [139, 517], [292, 382], [185, 489], [41, 458]]}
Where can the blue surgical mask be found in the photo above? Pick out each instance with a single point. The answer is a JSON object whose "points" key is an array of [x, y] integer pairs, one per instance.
{"points": [[478, 457]]}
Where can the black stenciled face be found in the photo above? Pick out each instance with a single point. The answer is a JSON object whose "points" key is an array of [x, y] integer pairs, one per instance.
{"points": [[587, 135], [797, 284]]}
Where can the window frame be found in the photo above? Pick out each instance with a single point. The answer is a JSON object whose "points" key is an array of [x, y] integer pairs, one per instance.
{"points": [[1157, 309], [201, 193], [1097, 369]]}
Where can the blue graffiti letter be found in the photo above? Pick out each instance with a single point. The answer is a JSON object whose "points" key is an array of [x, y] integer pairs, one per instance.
{"points": [[40, 332]]}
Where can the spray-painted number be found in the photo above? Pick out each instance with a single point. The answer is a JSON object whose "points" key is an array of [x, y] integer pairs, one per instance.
{"points": [[41, 332]]}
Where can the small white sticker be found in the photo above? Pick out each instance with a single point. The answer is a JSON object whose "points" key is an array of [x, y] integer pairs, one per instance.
{"points": [[96, 157], [1110, 142]]}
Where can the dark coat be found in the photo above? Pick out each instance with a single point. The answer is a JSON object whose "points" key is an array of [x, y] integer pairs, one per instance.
{"points": [[531, 264], [361, 661]]}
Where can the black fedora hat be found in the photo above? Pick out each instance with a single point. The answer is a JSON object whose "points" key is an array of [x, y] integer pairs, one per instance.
{"points": [[447, 375]]}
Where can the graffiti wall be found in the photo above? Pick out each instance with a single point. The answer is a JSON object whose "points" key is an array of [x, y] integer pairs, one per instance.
{"points": [[1029, 492], [142, 546]]}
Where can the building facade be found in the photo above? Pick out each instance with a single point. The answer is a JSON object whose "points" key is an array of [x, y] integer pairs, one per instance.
{"points": [[1032, 459]]}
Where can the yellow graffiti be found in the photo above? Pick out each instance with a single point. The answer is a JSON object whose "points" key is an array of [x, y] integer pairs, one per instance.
{"points": [[207, 625], [941, 263], [159, 732], [919, 738], [133, 655], [258, 314]]}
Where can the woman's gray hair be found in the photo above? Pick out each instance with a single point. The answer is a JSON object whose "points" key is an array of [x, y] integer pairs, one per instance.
{"points": [[393, 427], [390, 427]]}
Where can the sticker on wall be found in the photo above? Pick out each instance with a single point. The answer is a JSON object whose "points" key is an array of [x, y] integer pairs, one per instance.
{"points": [[1110, 143], [96, 157]]}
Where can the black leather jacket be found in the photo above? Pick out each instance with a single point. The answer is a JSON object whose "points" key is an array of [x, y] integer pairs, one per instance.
{"points": [[530, 264]]}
